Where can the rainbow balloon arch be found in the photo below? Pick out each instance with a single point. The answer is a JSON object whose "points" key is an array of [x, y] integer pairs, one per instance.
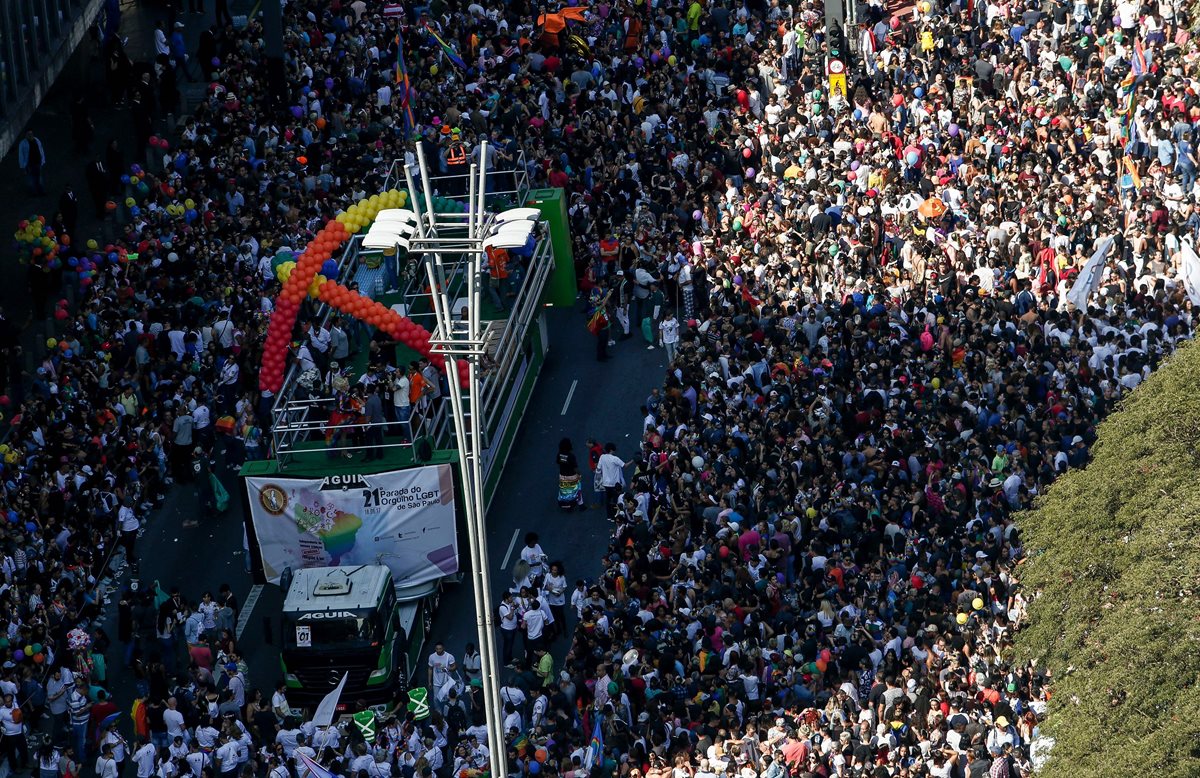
{"points": [[312, 274]]}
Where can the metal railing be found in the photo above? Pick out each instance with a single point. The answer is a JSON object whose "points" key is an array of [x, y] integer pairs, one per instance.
{"points": [[299, 423], [308, 421], [448, 185], [525, 310]]}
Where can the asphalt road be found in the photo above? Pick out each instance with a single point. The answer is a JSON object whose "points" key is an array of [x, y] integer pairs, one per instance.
{"points": [[604, 401]]}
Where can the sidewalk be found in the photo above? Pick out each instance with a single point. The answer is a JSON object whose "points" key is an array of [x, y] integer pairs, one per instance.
{"points": [[83, 75]]}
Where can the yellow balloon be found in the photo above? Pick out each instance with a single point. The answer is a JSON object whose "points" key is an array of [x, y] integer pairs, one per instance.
{"points": [[51, 342], [433, 70], [403, 199], [189, 203], [962, 618], [314, 289], [937, 383], [977, 603], [92, 244], [284, 271]]}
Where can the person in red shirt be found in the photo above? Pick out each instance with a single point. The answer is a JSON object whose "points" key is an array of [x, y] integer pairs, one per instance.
{"points": [[594, 452], [558, 177], [101, 709]]}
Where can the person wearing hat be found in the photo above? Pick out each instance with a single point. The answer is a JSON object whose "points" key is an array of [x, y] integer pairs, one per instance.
{"points": [[1002, 735], [236, 683]]}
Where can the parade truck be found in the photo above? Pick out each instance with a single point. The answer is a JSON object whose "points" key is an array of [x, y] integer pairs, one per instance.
{"points": [[353, 621], [361, 558]]}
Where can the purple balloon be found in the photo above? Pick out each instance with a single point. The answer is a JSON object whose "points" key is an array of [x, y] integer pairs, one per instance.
{"points": [[19, 655], [297, 111], [216, 62], [854, 165], [953, 130], [329, 83]]}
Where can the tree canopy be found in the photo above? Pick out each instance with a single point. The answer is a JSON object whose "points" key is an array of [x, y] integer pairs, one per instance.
{"points": [[1114, 564]]}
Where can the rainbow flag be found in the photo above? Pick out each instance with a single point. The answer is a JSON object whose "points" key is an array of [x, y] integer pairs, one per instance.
{"points": [[446, 49], [406, 91], [595, 750], [1139, 64]]}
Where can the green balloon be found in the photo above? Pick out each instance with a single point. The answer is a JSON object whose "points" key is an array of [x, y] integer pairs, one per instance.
{"points": [[3, 642], [37, 648]]}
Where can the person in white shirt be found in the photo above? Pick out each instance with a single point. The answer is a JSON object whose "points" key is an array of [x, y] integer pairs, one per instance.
{"points": [[441, 665], [554, 588], [227, 756], [533, 555], [173, 720], [279, 702], [145, 758], [612, 476], [302, 747], [197, 760], [106, 765], [668, 329], [509, 621], [288, 738], [16, 748], [534, 621]]}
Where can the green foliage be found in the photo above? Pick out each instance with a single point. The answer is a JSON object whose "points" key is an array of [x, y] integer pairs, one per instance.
{"points": [[1114, 565]]}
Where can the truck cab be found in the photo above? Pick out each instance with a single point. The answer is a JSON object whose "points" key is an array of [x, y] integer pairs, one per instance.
{"points": [[353, 620]]}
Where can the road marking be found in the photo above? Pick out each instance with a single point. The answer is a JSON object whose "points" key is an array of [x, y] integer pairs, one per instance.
{"points": [[247, 609], [570, 394], [511, 545]]}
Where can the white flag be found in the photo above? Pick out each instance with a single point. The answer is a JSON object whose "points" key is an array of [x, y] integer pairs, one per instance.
{"points": [[328, 707], [1089, 276], [1189, 272]]}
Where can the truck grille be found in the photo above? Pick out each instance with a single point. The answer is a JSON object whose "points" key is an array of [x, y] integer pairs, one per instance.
{"points": [[321, 680]]}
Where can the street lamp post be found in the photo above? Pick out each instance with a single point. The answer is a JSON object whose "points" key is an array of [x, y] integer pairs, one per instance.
{"points": [[461, 340]]}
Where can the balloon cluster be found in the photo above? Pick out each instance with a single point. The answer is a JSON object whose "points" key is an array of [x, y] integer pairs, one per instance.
{"points": [[35, 239], [33, 652], [309, 274]]}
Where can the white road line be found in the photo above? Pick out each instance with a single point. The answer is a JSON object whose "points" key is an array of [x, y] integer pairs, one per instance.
{"points": [[511, 545], [247, 609], [570, 394]]}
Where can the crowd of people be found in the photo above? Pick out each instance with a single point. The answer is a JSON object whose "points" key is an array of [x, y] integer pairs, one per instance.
{"points": [[862, 298]]}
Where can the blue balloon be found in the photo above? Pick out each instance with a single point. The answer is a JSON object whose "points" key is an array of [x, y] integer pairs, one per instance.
{"points": [[135, 211], [534, 767], [124, 179], [329, 268], [112, 257], [29, 525], [12, 517], [190, 215], [72, 262], [68, 353]]}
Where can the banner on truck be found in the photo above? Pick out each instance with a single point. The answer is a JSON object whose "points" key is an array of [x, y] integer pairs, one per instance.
{"points": [[403, 519]]}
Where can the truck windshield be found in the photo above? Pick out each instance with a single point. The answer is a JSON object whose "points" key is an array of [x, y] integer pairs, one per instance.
{"points": [[300, 632]]}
